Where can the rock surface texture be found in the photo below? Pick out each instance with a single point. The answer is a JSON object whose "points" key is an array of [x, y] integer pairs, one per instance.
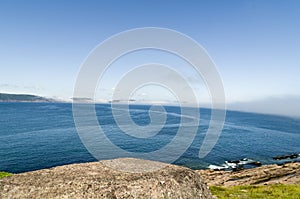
{"points": [[269, 174], [119, 178]]}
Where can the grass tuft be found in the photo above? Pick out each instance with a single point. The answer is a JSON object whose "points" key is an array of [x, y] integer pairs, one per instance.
{"points": [[257, 192], [4, 174]]}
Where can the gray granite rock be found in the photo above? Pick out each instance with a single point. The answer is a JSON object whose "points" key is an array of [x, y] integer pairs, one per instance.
{"points": [[119, 178]]}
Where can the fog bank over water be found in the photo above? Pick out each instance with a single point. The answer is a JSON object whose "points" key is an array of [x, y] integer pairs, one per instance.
{"points": [[284, 105]]}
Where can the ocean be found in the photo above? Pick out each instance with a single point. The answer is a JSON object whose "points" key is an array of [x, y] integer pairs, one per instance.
{"points": [[42, 135]]}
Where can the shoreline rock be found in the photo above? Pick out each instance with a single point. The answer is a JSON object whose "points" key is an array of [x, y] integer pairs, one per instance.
{"points": [[288, 173]]}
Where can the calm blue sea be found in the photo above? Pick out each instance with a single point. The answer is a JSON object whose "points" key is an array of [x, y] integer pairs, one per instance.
{"points": [[42, 135]]}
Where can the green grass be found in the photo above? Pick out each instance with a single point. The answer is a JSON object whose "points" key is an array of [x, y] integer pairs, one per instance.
{"points": [[259, 192], [4, 174]]}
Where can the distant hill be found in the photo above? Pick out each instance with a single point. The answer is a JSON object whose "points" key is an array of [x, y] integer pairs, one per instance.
{"points": [[4, 97]]}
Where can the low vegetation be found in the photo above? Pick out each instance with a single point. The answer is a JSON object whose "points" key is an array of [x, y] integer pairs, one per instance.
{"points": [[253, 192], [4, 174]]}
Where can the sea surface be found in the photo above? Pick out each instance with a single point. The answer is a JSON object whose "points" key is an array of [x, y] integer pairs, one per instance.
{"points": [[42, 135]]}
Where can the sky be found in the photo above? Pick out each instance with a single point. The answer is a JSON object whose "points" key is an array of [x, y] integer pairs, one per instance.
{"points": [[255, 46]]}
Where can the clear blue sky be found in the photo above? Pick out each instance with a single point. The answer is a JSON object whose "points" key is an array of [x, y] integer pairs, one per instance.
{"points": [[255, 44]]}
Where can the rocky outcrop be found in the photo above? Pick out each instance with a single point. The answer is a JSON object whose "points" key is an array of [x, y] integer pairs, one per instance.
{"points": [[269, 174], [120, 178]]}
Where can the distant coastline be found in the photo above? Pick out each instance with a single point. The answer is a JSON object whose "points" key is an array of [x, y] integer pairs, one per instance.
{"points": [[5, 97], [23, 98]]}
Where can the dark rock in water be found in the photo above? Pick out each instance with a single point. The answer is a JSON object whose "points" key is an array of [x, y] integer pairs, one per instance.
{"points": [[234, 161], [119, 178], [292, 156]]}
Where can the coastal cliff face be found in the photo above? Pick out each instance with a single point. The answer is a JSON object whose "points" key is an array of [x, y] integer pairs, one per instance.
{"points": [[119, 178]]}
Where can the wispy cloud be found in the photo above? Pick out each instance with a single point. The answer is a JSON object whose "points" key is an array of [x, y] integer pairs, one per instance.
{"points": [[9, 86], [15, 88]]}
